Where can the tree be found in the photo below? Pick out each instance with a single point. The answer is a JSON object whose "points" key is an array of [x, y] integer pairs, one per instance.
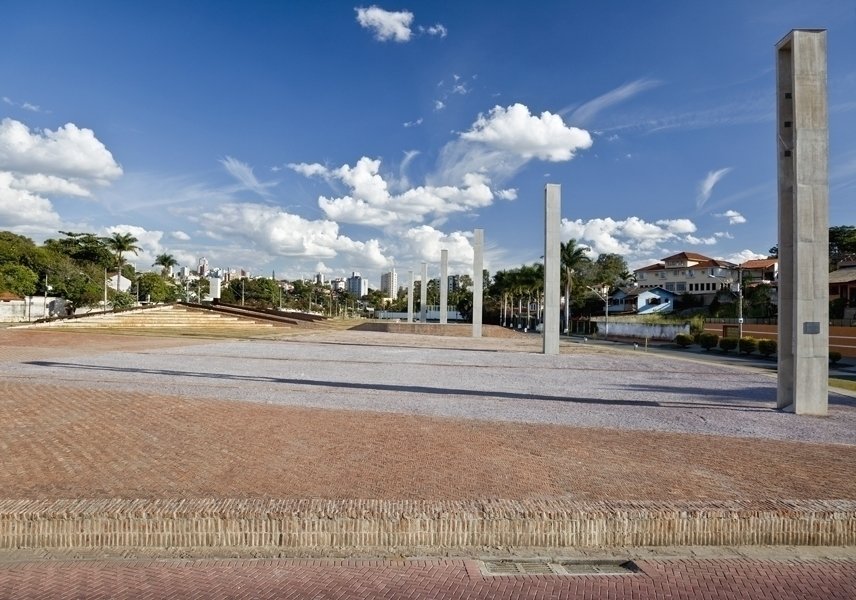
{"points": [[119, 244], [82, 248], [18, 279], [166, 262], [154, 288], [573, 257], [608, 268]]}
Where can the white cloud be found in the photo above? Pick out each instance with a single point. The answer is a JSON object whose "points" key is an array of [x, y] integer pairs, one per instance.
{"points": [[695, 241], [69, 152], [284, 234], [509, 194], [439, 105], [386, 25], [22, 210], [40, 183], [742, 256], [724, 235], [36, 165], [734, 217], [31, 107], [588, 111], [370, 201], [705, 188], [245, 176], [180, 236], [415, 123], [631, 236], [678, 225], [424, 243], [515, 130], [438, 30]]}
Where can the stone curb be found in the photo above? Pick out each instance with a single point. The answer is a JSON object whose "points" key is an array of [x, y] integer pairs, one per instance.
{"points": [[359, 524]]}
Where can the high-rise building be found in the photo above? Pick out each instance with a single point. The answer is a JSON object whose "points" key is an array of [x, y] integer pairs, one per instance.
{"points": [[389, 284], [357, 285]]}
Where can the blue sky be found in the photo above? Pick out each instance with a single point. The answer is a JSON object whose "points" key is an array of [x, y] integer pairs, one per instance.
{"points": [[337, 136]]}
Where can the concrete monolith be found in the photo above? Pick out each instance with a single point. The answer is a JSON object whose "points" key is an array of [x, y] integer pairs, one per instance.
{"points": [[478, 281], [802, 148], [552, 254]]}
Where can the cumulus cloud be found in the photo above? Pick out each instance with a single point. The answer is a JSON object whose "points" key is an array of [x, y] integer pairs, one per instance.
{"points": [[705, 188], [69, 152], [517, 131], [439, 105], [22, 210], [629, 236], [386, 25], [734, 217], [695, 241], [180, 236], [415, 123], [742, 256], [35, 165], [284, 234], [500, 143], [424, 243], [370, 201]]}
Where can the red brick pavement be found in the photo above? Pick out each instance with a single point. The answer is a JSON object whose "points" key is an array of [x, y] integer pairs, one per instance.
{"points": [[733, 579]]}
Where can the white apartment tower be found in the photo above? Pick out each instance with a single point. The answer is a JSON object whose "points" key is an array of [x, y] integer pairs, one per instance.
{"points": [[389, 284]]}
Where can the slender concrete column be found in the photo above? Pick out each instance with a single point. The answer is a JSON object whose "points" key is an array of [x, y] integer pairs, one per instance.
{"points": [[444, 286], [552, 253], [423, 295], [410, 298], [802, 156], [478, 281]]}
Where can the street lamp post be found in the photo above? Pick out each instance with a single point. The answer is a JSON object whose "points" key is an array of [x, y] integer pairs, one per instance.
{"points": [[603, 294], [739, 298]]}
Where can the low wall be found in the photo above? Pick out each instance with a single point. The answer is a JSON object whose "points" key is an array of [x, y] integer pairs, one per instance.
{"points": [[450, 329], [651, 331], [366, 524]]}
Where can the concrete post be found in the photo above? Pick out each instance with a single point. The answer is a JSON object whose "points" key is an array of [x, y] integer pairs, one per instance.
{"points": [[423, 295], [552, 258], [802, 148], [478, 281], [444, 286], [410, 298]]}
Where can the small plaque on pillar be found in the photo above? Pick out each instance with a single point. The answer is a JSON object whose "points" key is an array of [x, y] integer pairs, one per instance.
{"points": [[811, 327]]}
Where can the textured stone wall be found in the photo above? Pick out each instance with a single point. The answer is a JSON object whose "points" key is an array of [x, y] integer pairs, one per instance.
{"points": [[355, 524]]}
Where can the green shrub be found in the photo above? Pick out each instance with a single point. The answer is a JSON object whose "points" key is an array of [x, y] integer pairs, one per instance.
{"points": [[708, 340], [767, 347], [727, 343], [834, 357], [747, 345], [684, 340]]}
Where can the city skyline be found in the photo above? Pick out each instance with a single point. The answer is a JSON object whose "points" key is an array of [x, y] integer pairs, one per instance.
{"points": [[343, 137]]}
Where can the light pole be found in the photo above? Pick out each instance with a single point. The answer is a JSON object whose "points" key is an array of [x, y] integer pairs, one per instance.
{"points": [[603, 294], [739, 299]]}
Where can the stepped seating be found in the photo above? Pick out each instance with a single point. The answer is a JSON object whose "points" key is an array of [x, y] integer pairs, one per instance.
{"points": [[164, 317]]}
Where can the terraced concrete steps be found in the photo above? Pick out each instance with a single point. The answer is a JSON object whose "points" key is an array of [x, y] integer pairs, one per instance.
{"points": [[165, 317]]}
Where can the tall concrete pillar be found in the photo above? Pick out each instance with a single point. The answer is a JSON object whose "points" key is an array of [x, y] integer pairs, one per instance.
{"points": [[444, 286], [802, 148], [423, 295], [552, 258], [478, 281], [410, 298]]}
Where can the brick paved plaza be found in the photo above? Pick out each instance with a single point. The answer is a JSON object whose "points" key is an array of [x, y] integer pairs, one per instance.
{"points": [[443, 424]]}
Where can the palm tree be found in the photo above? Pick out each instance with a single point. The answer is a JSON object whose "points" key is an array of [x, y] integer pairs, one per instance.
{"points": [[166, 262], [121, 243], [573, 257]]}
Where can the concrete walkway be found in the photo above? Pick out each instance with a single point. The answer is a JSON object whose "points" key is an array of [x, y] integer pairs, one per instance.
{"points": [[102, 434]]}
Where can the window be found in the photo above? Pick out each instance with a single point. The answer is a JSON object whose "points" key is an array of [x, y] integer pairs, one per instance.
{"points": [[681, 287], [670, 287]]}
